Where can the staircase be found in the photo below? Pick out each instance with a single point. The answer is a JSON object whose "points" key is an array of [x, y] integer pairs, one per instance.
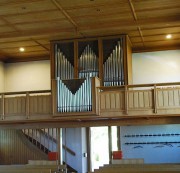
{"points": [[46, 141]]}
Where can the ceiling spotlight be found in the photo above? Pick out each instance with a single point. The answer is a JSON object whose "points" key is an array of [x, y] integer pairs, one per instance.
{"points": [[21, 49], [168, 36]]}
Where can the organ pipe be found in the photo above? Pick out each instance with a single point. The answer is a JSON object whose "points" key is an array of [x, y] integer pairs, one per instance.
{"points": [[88, 63], [114, 68], [80, 101]]}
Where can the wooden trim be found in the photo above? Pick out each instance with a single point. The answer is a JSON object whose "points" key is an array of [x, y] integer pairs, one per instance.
{"points": [[139, 85], [54, 97], [100, 47], [3, 106], [126, 100], [24, 92], [65, 13], [95, 99], [132, 10], [52, 60], [155, 99], [129, 61], [93, 38], [27, 105]]}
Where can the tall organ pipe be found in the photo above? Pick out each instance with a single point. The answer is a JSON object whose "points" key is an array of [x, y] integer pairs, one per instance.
{"points": [[88, 63], [81, 101], [114, 68]]}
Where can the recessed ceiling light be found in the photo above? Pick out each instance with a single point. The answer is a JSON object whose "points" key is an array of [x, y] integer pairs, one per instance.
{"points": [[21, 49], [168, 36]]}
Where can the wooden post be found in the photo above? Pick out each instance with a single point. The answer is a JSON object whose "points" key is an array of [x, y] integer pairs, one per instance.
{"points": [[155, 99], [27, 105], [95, 82], [52, 60], [54, 96], [3, 106], [126, 99], [100, 47]]}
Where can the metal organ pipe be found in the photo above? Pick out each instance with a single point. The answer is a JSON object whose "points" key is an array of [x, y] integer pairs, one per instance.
{"points": [[114, 67], [81, 101], [88, 63]]}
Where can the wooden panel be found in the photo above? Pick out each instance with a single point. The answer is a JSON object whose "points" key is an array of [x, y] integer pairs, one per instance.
{"points": [[16, 149], [35, 17], [44, 25], [40, 104], [69, 4], [112, 12], [111, 101], [140, 99], [168, 98], [15, 105], [154, 4], [26, 7]]}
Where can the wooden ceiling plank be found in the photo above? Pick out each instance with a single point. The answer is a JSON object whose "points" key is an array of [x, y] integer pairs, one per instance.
{"points": [[135, 18], [66, 15], [41, 45], [9, 24], [71, 5]]}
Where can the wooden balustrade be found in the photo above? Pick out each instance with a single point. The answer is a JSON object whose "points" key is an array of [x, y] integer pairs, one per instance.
{"points": [[130, 100], [23, 105], [144, 100]]}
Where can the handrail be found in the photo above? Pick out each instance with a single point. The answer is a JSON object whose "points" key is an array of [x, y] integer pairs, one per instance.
{"points": [[54, 140], [138, 85], [24, 92]]}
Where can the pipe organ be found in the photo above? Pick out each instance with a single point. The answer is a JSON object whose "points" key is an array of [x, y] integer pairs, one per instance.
{"points": [[77, 62]]}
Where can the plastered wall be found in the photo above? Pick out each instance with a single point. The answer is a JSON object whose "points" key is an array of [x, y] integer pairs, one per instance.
{"points": [[156, 67], [27, 76], [148, 143]]}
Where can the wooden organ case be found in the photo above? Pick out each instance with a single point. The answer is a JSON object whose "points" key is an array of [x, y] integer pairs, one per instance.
{"points": [[79, 67]]}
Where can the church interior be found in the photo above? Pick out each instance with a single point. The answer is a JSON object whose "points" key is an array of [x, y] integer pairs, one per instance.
{"points": [[89, 86]]}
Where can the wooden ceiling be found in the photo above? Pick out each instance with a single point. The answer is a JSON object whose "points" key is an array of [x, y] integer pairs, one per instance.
{"points": [[33, 24]]}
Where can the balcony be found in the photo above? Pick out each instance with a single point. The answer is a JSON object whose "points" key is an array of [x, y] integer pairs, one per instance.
{"points": [[159, 102]]}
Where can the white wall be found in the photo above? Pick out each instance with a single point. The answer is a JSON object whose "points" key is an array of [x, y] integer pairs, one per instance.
{"points": [[27, 76], [76, 141], [1, 77], [156, 67], [152, 153]]}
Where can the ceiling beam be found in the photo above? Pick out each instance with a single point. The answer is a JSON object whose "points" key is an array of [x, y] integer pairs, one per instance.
{"points": [[135, 18], [68, 17], [90, 123]]}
